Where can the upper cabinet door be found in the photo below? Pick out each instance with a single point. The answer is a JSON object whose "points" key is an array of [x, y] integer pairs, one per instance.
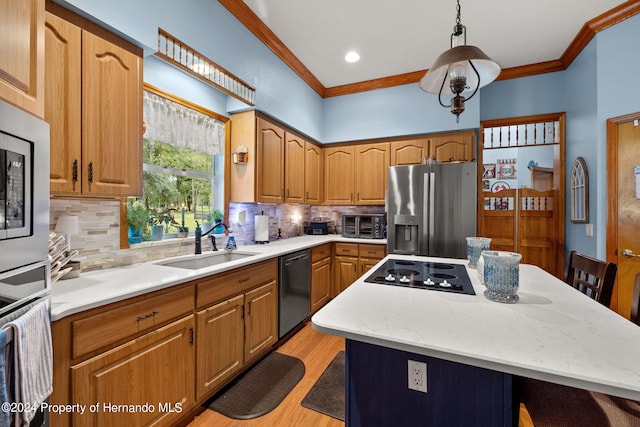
{"points": [[270, 168], [313, 174], [22, 54], [338, 176], [409, 152], [112, 118], [372, 163], [295, 166], [63, 104], [451, 147]]}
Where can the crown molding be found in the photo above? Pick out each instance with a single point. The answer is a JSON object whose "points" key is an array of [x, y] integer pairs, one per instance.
{"points": [[254, 24]]}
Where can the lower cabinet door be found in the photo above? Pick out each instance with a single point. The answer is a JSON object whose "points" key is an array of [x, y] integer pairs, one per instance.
{"points": [[346, 271], [261, 320], [220, 341], [148, 380], [320, 283]]}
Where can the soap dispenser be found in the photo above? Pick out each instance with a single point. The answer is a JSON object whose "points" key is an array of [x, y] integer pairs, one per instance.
{"points": [[231, 242]]}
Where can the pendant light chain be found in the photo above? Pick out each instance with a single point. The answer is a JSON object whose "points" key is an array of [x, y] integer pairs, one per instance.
{"points": [[458, 16]]}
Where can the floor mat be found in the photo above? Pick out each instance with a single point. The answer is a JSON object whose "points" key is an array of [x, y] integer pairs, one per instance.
{"points": [[327, 394], [261, 389]]}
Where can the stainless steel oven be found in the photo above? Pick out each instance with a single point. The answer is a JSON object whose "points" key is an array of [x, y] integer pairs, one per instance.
{"points": [[24, 188]]}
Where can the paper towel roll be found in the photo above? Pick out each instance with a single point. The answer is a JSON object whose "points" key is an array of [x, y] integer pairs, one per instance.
{"points": [[262, 228]]}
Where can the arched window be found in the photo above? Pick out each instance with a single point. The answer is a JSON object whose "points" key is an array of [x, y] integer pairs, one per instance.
{"points": [[579, 191]]}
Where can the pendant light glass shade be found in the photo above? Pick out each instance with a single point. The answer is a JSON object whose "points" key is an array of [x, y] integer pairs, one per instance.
{"points": [[458, 70], [457, 60]]}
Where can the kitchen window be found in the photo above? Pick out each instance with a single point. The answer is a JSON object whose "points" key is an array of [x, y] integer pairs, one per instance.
{"points": [[183, 162]]}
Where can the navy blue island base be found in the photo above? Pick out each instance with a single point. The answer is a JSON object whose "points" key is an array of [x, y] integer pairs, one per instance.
{"points": [[457, 394]]}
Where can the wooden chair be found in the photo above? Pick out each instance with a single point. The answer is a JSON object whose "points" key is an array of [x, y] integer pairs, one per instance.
{"points": [[635, 302], [547, 404], [592, 277]]}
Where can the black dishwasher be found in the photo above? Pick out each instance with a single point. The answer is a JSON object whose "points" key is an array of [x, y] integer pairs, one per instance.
{"points": [[294, 286]]}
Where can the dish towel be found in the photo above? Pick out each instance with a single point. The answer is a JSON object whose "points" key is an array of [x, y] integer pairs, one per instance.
{"points": [[32, 360], [5, 417]]}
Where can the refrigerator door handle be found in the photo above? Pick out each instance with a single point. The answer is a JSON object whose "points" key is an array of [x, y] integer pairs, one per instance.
{"points": [[432, 209]]}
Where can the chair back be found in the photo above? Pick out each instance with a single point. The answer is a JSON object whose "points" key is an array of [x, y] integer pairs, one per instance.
{"points": [[592, 277], [635, 302]]}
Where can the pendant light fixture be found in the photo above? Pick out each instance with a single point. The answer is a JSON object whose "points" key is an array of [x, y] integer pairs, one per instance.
{"points": [[458, 70]]}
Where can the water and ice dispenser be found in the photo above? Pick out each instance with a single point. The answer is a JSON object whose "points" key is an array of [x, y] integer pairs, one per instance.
{"points": [[405, 238]]}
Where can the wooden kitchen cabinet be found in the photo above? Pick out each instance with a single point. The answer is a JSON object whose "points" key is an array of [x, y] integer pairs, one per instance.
{"points": [[270, 162], [339, 177], [294, 155], [94, 107], [237, 322], [261, 320], [356, 174], [222, 322], [313, 174], [353, 260], [276, 169], [320, 276], [409, 152], [22, 65], [451, 147], [369, 255], [130, 352], [156, 369], [371, 164]]}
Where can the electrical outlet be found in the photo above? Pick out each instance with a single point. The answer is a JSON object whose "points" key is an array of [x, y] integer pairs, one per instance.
{"points": [[417, 376]]}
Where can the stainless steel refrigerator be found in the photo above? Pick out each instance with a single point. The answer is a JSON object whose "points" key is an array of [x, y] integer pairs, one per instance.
{"points": [[431, 209]]}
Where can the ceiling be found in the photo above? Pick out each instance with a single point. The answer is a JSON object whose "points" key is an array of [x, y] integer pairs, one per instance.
{"points": [[405, 36]]}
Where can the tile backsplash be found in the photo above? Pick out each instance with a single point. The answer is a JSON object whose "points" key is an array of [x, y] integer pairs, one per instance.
{"points": [[99, 239]]}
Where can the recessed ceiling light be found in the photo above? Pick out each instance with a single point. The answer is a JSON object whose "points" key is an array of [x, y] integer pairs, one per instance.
{"points": [[352, 56]]}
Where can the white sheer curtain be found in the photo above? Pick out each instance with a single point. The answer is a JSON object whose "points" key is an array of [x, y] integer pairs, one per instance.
{"points": [[181, 126]]}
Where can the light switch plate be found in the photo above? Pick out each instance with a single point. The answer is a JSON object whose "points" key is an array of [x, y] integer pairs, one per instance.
{"points": [[589, 229]]}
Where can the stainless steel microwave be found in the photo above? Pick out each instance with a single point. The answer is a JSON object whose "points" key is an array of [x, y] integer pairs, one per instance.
{"points": [[364, 226], [24, 188]]}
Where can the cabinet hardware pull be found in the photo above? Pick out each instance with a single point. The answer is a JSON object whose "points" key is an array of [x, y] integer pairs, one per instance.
{"points": [[371, 252], [191, 336], [287, 193], [90, 171], [249, 308], [74, 172], [153, 313], [307, 196], [629, 253], [244, 280]]}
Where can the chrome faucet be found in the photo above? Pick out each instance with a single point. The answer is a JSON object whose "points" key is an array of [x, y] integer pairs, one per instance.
{"points": [[230, 245]]}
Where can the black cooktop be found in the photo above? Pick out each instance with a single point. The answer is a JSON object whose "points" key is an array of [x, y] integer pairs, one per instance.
{"points": [[423, 275]]}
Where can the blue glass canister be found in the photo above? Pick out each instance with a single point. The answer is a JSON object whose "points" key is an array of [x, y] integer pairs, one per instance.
{"points": [[501, 275]]}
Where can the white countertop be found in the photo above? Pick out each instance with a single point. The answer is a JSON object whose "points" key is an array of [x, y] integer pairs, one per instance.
{"points": [[554, 332], [97, 288]]}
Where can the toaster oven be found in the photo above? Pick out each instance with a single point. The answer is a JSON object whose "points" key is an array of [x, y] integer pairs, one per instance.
{"points": [[364, 226]]}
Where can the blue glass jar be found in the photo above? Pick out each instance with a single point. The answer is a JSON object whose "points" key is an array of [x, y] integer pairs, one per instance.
{"points": [[475, 246], [501, 275]]}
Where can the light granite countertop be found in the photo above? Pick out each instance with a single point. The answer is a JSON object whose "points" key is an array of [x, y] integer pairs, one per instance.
{"points": [[98, 288], [554, 332]]}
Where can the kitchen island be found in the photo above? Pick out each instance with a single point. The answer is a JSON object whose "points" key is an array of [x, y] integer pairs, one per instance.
{"points": [[472, 347]]}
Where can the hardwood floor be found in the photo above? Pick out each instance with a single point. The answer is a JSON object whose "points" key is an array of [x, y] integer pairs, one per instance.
{"points": [[316, 350]]}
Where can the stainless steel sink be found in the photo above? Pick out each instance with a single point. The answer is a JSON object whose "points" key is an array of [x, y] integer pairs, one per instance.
{"points": [[197, 262]]}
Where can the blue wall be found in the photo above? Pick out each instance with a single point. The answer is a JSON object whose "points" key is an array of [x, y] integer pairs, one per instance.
{"points": [[592, 90], [210, 29], [399, 110]]}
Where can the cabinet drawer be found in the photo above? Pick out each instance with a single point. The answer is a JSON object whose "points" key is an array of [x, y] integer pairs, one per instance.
{"points": [[107, 327], [347, 249], [320, 252], [372, 251], [224, 285]]}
